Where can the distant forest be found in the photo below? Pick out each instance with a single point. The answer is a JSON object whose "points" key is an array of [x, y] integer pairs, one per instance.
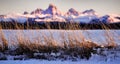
{"points": [[57, 25]]}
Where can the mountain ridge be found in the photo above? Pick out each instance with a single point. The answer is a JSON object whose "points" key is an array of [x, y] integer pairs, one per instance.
{"points": [[52, 13]]}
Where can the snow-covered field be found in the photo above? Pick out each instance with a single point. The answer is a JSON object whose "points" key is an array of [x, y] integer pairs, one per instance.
{"points": [[107, 56]]}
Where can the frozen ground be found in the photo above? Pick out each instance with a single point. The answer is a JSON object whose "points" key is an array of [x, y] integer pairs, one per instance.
{"points": [[34, 61]]}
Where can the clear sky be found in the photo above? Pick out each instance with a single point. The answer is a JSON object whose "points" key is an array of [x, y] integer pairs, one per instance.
{"points": [[100, 6]]}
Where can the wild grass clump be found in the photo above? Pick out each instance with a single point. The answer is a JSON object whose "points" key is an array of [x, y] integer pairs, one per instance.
{"points": [[46, 50], [4, 43]]}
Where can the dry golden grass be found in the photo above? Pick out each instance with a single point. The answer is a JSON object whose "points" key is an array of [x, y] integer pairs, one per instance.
{"points": [[70, 41]]}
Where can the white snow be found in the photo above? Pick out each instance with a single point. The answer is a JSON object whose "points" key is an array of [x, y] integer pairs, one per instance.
{"points": [[84, 19], [34, 61]]}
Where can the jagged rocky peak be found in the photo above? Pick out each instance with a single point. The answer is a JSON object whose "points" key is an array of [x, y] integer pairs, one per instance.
{"points": [[90, 11], [37, 11], [73, 12], [25, 12], [52, 6], [52, 9]]}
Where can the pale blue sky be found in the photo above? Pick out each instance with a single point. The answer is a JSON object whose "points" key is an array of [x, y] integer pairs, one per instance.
{"points": [[100, 6]]}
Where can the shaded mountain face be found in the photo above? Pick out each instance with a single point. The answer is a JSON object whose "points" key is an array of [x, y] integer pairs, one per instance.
{"points": [[104, 18], [52, 13]]}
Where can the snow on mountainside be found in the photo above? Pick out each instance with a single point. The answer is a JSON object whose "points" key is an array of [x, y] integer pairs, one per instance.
{"points": [[14, 17], [52, 13]]}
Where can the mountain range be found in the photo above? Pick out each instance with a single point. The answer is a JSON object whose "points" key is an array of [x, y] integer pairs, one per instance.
{"points": [[53, 14]]}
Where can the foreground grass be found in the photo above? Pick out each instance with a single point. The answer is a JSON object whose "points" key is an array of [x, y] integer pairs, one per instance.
{"points": [[71, 48]]}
